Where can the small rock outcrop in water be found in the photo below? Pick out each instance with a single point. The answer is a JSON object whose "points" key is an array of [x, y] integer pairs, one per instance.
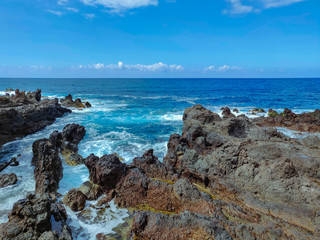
{"points": [[68, 102], [221, 179], [304, 122], [24, 113], [40, 216], [8, 179]]}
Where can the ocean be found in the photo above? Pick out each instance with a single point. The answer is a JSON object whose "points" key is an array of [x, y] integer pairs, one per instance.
{"points": [[130, 116]]}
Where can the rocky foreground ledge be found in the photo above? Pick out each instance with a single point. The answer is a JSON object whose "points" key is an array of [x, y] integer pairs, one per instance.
{"points": [[40, 215], [223, 178]]}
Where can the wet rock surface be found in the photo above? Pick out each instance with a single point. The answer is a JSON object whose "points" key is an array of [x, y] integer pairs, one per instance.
{"points": [[77, 103], [40, 215], [8, 179], [221, 179], [24, 113], [304, 122]]}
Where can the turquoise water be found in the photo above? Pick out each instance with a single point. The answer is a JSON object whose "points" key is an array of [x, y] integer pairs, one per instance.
{"points": [[130, 116]]}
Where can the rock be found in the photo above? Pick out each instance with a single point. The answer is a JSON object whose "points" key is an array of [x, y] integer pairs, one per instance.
{"points": [[24, 113], [226, 113], [305, 122], [75, 199], [258, 110], [90, 190], [235, 110], [13, 162], [105, 171], [68, 102], [8, 179], [120, 158], [36, 217], [221, 179], [39, 215]]}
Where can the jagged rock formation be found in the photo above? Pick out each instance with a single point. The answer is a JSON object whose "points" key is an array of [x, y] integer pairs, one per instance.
{"points": [[222, 179], [68, 102], [40, 216], [8, 179], [305, 122], [24, 113]]}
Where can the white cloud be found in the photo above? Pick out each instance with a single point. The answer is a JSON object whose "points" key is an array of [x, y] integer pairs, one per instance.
{"points": [[62, 2], [279, 3], [210, 68], [72, 9], [57, 13], [161, 67], [223, 68], [246, 6], [237, 7], [89, 15], [121, 5], [40, 67]]}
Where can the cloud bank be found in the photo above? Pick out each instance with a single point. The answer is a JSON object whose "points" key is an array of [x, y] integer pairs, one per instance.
{"points": [[160, 67]]}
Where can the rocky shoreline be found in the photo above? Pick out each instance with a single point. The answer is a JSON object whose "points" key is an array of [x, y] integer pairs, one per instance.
{"points": [[24, 113], [223, 178]]}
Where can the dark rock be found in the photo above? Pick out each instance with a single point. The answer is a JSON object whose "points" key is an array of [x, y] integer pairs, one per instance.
{"points": [[22, 114], [8, 179], [235, 110], [305, 122], [105, 171], [226, 113], [90, 190], [75, 199], [222, 179], [68, 102]]}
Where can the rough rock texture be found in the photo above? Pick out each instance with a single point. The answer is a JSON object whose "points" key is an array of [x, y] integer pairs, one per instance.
{"points": [[305, 122], [13, 162], [24, 113], [222, 179], [40, 216], [8, 179], [75, 199], [68, 102]]}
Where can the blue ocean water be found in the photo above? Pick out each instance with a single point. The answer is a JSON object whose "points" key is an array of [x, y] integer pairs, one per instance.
{"points": [[130, 116]]}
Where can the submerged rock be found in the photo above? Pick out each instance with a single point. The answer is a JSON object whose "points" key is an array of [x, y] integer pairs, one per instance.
{"points": [[8, 179]]}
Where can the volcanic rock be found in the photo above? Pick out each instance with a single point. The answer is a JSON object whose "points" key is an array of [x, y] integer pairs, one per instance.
{"points": [[221, 179], [24, 113], [304, 122], [8, 179], [68, 102]]}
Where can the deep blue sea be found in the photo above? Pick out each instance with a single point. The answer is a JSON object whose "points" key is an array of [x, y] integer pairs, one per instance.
{"points": [[130, 116]]}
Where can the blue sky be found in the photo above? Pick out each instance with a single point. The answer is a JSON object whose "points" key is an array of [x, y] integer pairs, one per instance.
{"points": [[160, 38]]}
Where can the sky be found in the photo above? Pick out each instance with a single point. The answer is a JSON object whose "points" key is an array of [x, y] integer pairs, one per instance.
{"points": [[160, 38]]}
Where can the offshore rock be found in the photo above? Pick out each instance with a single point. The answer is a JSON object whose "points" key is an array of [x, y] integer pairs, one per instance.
{"points": [[8, 179], [24, 113], [221, 179], [304, 122], [68, 102]]}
